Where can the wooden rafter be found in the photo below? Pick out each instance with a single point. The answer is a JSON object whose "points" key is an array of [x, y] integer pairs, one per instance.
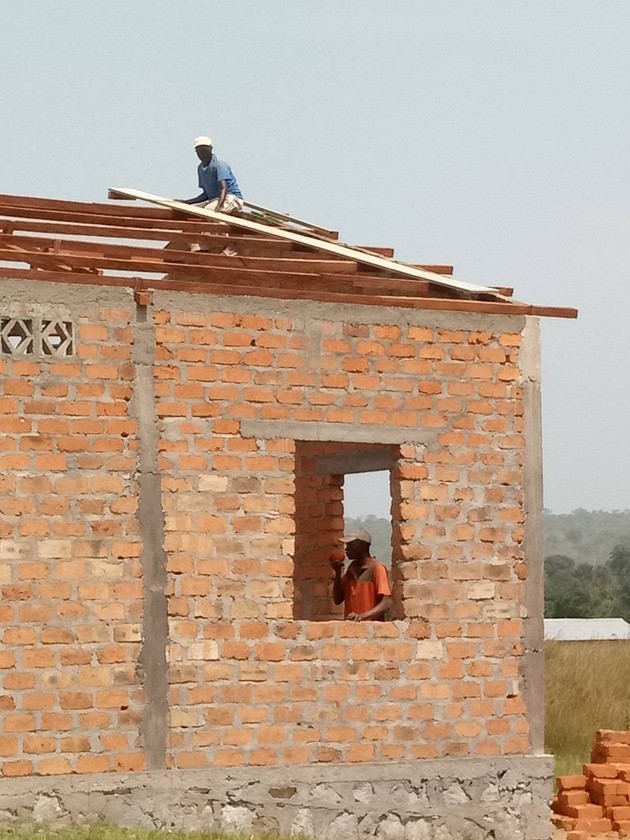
{"points": [[364, 258], [174, 246], [274, 217], [103, 251]]}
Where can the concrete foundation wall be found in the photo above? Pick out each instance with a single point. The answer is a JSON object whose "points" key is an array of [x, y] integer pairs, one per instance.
{"points": [[463, 799]]}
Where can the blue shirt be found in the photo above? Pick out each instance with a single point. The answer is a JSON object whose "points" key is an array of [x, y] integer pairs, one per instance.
{"points": [[217, 170]]}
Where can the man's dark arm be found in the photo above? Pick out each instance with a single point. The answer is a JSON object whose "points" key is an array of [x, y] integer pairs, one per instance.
{"points": [[382, 606], [222, 194], [338, 593], [196, 200]]}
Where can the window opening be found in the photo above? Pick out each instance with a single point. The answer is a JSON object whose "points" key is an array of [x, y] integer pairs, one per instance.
{"points": [[367, 503], [322, 470]]}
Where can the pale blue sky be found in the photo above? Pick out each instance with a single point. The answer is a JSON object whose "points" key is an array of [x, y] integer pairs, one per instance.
{"points": [[492, 135]]}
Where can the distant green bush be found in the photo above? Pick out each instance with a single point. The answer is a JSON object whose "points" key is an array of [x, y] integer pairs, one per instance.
{"points": [[585, 591]]}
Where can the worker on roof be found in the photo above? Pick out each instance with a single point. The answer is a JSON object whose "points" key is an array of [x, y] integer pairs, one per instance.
{"points": [[220, 190], [364, 588]]}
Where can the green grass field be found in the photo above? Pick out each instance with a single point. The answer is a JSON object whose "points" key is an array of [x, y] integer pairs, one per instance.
{"points": [[587, 688]]}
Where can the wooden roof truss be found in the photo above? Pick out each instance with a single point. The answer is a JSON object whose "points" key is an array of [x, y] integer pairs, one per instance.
{"points": [[172, 245]]}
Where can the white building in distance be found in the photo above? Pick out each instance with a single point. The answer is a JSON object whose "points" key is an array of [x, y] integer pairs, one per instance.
{"points": [[585, 629]]}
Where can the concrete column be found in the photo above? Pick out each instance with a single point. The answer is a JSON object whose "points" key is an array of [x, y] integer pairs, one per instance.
{"points": [[533, 661], [154, 727]]}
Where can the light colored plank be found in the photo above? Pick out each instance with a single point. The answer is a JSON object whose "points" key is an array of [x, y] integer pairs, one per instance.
{"points": [[331, 234], [319, 244]]}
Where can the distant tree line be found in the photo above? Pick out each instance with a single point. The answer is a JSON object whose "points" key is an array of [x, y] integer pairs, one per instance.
{"points": [[586, 536], [580, 590]]}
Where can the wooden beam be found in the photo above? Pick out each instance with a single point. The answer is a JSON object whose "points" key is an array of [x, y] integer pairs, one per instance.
{"points": [[239, 280], [331, 275], [104, 219], [71, 277], [379, 250], [47, 261], [490, 307], [246, 245], [168, 256], [109, 256], [181, 225], [225, 274], [274, 214], [436, 269], [467, 289], [62, 205]]}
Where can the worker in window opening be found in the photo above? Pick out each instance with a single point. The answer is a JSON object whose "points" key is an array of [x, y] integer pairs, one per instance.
{"points": [[364, 588], [220, 190]]}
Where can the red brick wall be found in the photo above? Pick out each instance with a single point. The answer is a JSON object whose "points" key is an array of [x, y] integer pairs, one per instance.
{"points": [[318, 526], [69, 572], [268, 687], [248, 684]]}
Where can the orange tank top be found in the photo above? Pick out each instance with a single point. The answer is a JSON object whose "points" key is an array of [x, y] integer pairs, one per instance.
{"points": [[363, 593]]}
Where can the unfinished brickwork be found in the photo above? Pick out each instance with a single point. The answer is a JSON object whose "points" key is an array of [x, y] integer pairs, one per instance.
{"points": [[170, 493]]}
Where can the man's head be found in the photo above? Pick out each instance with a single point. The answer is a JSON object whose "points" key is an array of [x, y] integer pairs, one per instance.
{"points": [[357, 544], [203, 147]]}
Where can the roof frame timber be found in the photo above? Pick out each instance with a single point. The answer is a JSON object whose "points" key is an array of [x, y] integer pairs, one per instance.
{"points": [[239, 271], [466, 289], [400, 302], [170, 245], [77, 248], [20, 217], [96, 257]]}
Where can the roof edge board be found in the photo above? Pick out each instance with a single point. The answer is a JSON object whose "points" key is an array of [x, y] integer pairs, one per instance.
{"points": [[166, 284]]}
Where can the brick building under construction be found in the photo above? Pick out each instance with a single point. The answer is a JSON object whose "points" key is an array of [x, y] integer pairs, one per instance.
{"points": [[176, 426]]}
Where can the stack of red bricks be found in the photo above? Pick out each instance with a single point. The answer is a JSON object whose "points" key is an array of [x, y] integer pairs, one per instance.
{"points": [[599, 800]]}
